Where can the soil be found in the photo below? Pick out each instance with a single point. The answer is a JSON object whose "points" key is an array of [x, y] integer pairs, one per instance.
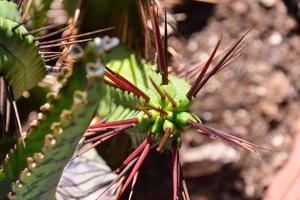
{"points": [[256, 98]]}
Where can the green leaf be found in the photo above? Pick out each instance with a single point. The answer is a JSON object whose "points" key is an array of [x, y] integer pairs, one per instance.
{"points": [[58, 147], [20, 62]]}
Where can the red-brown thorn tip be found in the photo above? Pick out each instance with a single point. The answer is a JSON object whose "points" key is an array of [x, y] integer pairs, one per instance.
{"points": [[142, 108], [158, 90], [163, 68], [125, 84], [109, 134], [162, 112], [173, 102], [226, 136], [220, 64], [192, 90], [164, 139]]}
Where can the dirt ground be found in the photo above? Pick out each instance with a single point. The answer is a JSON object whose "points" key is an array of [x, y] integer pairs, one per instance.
{"points": [[256, 98]]}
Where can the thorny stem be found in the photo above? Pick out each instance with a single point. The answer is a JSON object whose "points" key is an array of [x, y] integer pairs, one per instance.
{"points": [[175, 174]]}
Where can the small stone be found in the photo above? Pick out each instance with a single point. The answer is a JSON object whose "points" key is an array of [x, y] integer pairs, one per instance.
{"points": [[240, 7], [277, 140], [268, 3], [275, 38], [192, 46], [269, 109], [207, 116], [278, 87], [279, 159]]}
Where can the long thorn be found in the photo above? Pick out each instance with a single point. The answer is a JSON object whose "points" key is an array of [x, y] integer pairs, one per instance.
{"points": [[234, 55], [20, 4], [11, 98], [113, 124], [190, 72], [184, 185], [109, 134], [158, 90], [15, 108], [125, 84], [27, 9], [228, 137], [49, 52], [173, 102], [132, 156], [76, 36], [136, 167], [52, 55], [53, 58], [146, 30], [64, 43], [162, 112], [142, 108], [133, 184], [88, 149], [219, 64], [118, 178], [41, 29], [2, 106], [192, 90], [175, 175], [7, 117], [166, 46], [53, 33], [158, 43], [164, 139]]}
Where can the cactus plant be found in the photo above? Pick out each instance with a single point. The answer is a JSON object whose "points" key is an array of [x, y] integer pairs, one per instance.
{"points": [[137, 97]]}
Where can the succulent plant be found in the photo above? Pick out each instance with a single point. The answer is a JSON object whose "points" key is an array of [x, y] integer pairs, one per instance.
{"points": [[130, 95]]}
